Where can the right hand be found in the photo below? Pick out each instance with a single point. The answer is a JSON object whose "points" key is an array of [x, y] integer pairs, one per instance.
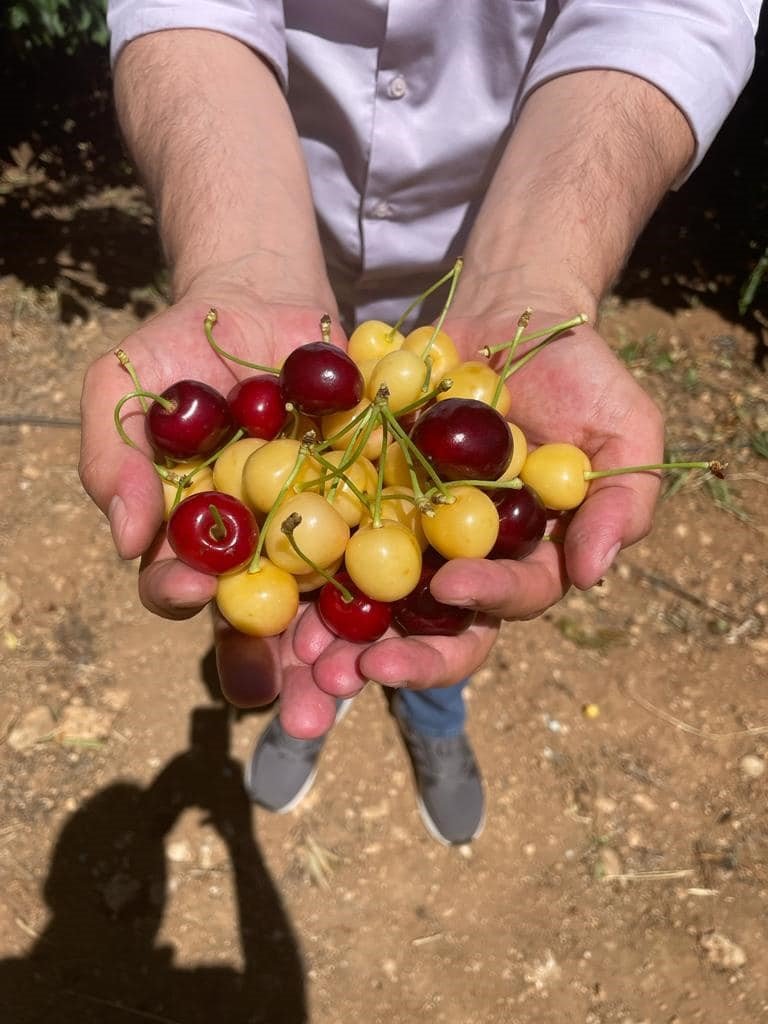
{"points": [[123, 483]]}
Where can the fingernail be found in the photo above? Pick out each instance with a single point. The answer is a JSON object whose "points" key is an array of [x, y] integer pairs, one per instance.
{"points": [[118, 517], [609, 557]]}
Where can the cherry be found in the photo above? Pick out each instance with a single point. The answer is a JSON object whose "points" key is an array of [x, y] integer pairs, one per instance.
{"points": [[319, 378], [361, 620], [421, 614], [522, 521], [191, 421], [464, 439], [213, 532], [256, 404]]}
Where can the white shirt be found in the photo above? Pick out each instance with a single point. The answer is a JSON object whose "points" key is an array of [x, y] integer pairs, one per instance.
{"points": [[402, 105]]}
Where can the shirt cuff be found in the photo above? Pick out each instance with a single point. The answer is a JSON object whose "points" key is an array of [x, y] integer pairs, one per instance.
{"points": [[700, 58], [261, 27]]}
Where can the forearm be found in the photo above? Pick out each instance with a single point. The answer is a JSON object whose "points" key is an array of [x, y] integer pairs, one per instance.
{"points": [[590, 158], [211, 134]]}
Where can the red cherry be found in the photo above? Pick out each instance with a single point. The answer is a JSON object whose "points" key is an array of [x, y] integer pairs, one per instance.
{"points": [[464, 439], [361, 620], [198, 423], [257, 406], [213, 542], [522, 521], [421, 614], [320, 378]]}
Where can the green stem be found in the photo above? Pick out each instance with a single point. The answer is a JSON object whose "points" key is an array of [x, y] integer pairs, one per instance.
{"points": [[455, 269], [444, 385], [218, 530], [288, 526], [124, 359], [376, 516], [522, 323], [407, 444], [455, 275], [208, 324], [714, 467], [166, 404], [551, 332], [301, 458]]}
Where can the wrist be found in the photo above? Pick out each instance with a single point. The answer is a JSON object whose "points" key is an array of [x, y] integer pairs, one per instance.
{"points": [[268, 276]]}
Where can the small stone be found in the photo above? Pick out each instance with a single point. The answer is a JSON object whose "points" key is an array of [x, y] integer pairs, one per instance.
{"points": [[644, 802], [35, 726], [605, 805], [609, 863], [722, 952], [84, 724], [752, 766]]}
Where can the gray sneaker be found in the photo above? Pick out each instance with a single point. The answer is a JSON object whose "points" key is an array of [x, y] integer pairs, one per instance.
{"points": [[282, 769], [448, 782]]}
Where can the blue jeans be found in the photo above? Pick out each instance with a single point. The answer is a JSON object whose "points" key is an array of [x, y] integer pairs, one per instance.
{"points": [[437, 713]]}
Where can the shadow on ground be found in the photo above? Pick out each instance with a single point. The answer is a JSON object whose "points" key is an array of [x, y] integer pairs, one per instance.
{"points": [[98, 962]]}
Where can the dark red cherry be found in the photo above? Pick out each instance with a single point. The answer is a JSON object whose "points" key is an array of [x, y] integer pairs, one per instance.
{"points": [[197, 424], [320, 378], [421, 614], [464, 439], [257, 406], [522, 521], [361, 620], [213, 542]]}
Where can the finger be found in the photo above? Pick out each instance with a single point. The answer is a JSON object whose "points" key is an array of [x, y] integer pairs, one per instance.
{"points": [[173, 590], [311, 636], [305, 711], [121, 480], [426, 662], [248, 666], [337, 669], [503, 588]]}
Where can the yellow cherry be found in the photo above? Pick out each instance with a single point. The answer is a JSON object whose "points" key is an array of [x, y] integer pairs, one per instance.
{"points": [[384, 561], [466, 528], [519, 453], [321, 535], [397, 504], [201, 481], [403, 373], [267, 469], [373, 339], [259, 603], [442, 352], [478, 380], [556, 473], [228, 468]]}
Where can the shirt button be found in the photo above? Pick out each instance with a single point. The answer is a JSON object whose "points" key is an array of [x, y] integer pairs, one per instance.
{"points": [[397, 88], [382, 210]]}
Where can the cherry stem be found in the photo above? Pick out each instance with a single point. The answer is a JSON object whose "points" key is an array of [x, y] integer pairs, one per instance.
{"points": [[125, 361], [455, 275], [445, 385], [376, 517], [522, 323], [219, 530], [166, 404], [185, 479], [288, 526], [355, 422], [408, 446], [304, 450], [548, 333], [209, 322], [339, 477], [715, 467], [452, 273]]}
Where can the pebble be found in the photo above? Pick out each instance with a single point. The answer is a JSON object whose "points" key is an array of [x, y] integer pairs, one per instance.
{"points": [[722, 952], [609, 863], [752, 766], [34, 727]]}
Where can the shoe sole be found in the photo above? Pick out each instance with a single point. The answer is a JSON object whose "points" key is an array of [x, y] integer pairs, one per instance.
{"points": [[341, 713], [434, 831]]}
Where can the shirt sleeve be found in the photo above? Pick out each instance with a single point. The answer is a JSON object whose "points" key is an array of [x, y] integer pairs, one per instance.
{"points": [[257, 23], [700, 53]]}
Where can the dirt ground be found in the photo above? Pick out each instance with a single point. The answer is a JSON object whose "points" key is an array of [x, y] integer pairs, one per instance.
{"points": [[622, 877]]}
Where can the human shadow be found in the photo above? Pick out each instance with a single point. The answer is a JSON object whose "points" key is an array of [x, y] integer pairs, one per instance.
{"points": [[98, 962]]}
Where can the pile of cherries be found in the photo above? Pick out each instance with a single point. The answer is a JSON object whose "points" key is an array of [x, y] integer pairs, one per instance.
{"points": [[350, 477]]}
